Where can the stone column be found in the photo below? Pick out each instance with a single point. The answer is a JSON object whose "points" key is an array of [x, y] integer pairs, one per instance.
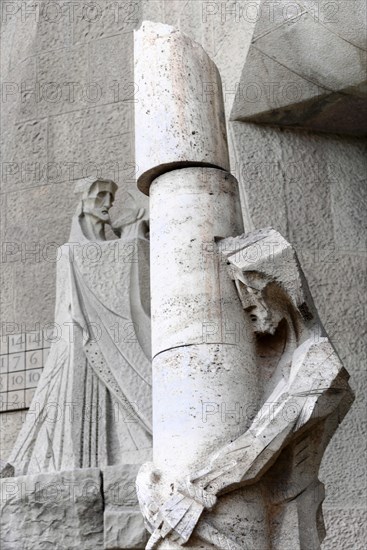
{"points": [[203, 365], [179, 111], [203, 359]]}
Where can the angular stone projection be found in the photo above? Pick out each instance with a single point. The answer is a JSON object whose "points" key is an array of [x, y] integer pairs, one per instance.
{"points": [[247, 388], [306, 67]]}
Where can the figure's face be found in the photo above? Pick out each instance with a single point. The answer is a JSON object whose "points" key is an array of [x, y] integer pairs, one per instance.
{"points": [[265, 319], [99, 205], [259, 312]]}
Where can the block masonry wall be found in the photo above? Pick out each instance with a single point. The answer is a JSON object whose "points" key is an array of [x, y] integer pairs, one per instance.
{"points": [[67, 112]]}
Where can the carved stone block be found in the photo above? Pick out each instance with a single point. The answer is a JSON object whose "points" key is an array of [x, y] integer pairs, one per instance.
{"points": [[306, 67], [60, 511], [123, 521]]}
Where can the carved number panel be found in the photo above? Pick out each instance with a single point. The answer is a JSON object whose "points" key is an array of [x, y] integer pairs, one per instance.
{"points": [[22, 359]]}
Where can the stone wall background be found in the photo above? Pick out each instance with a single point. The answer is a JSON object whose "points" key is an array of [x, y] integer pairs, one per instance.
{"points": [[309, 186]]}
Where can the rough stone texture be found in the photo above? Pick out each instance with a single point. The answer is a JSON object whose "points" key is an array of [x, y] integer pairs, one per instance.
{"points": [[62, 510], [93, 401], [312, 189], [281, 360], [63, 117], [176, 123], [123, 522], [10, 425], [303, 384], [124, 529], [7, 469], [303, 70], [94, 135], [67, 510], [76, 136], [346, 528], [323, 177]]}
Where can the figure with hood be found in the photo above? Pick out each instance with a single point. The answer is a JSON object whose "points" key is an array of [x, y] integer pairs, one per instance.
{"points": [[92, 406]]}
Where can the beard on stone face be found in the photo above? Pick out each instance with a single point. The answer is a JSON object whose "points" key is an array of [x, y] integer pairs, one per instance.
{"points": [[99, 206]]}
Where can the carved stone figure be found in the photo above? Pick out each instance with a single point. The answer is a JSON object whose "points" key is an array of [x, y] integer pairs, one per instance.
{"points": [[247, 388], [305, 395], [92, 406]]}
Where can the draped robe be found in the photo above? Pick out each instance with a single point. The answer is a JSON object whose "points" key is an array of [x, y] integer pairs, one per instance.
{"points": [[92, 406]]}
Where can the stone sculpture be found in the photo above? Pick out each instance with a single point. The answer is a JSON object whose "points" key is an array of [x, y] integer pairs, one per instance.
{"points": [[305, 395], [92, 407], [247, 389], [230, 335]]}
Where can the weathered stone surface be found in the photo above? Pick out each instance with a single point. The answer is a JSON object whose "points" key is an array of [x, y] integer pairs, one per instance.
{"points": [[114, 82], [99, 21], [346, 528], [31, 154], [10, 425], [335, 269], [7, 469], [52, 136], [119, 486], [124, 529], [306, 395], [291, 375], [76, 141], [123, 521], [297, 168], [63, 510], [191, 301], [197, 320], [347, 20], [177, 124], [97, 379], [67, 510]]}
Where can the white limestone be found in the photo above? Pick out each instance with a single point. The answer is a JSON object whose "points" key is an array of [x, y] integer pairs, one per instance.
{"points": [[271, 469], [60, 510], [123, 524], [301, 381], [180, 122], [306, 67], [247, 481], [190, 209], [92, 407], [82, 508], [202, 353]]}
